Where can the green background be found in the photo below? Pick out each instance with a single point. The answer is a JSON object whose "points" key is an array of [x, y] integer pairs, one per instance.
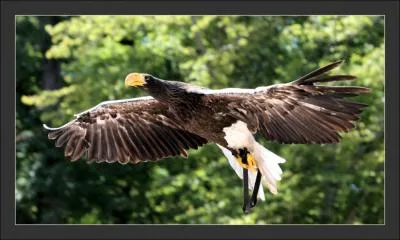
{"points": [[68, 64]]}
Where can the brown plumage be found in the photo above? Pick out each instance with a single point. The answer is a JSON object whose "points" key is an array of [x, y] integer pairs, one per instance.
{"points": [[132, 131], [180, 116]]}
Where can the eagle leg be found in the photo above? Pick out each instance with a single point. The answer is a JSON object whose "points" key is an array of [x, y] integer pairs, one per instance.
{"points": [[253, 200], [246, 205]]}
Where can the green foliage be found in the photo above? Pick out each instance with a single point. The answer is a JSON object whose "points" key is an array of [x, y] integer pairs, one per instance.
{"points": [[341, 183]]}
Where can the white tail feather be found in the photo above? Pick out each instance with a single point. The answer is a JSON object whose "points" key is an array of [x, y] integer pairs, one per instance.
{"points": [[268, 163], [239, 171]]}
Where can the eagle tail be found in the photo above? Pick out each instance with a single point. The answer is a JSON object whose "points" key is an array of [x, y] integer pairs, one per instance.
{"points": [[268, 164], [238, 169]]}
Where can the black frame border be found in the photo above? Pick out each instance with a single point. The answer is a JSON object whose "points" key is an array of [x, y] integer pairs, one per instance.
{"points": [[388, 8]]}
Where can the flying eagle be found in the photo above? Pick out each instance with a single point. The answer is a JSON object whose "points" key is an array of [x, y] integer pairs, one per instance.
{"points": [[179, 116]]}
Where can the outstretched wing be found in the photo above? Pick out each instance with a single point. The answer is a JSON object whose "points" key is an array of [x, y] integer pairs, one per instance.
{"points": [[133, 130], [299, 111]]}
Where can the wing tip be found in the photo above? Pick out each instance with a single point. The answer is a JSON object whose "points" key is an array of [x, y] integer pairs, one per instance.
{"points": [[335, 64], [318, 72], [365, 90], [338, 62], [46, 127]]}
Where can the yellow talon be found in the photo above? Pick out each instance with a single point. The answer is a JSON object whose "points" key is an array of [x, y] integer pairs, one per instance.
{"points": [[239, 160], [251, 163]]}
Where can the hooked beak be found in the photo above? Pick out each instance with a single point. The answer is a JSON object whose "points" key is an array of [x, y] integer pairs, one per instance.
{"points": [[134, 80]]}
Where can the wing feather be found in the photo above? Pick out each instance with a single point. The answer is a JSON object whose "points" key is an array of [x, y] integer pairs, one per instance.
{"points": [[93, 140], [125, 131], [147, 146], [137, 141], [127, 142], [110, 157], [299, 111], [160, 145], [63, 138], [80, 149], [101, 144]]}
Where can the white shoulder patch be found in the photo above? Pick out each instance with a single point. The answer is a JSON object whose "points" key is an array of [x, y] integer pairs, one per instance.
{"points": [[105, 103], [238, 136], [227, 91]]}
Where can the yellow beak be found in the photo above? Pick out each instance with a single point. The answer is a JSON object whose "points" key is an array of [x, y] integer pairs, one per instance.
{"points": [[134, 80]]}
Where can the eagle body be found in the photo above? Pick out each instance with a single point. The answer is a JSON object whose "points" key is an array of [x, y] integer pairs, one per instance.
{"points": [[198, 120], [178, 116], [194, 107]]}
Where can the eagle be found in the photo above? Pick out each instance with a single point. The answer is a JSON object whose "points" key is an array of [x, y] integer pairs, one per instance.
{"points": [[178, 116]]}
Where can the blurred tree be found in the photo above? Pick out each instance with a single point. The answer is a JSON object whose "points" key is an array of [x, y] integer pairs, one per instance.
{"points": [[340, 183]]}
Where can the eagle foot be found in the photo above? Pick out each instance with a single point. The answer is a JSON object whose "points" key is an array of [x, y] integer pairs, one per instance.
{"points": [[246, 160]]}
